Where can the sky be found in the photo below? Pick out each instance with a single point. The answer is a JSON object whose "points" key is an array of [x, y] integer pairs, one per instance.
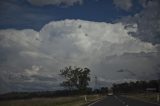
{"points": [[118, 40]]}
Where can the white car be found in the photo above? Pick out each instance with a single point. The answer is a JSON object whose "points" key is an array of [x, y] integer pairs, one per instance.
{"points": [[110, 94]]}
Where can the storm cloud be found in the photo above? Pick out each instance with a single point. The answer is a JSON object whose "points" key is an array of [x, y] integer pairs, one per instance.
{"points": [[148, 21], [32, 59]]}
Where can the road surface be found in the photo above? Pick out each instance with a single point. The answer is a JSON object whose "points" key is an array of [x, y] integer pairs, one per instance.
{"points": [[121, 101]]}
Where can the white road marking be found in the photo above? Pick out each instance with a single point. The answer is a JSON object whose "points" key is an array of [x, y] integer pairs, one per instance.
{"points": [[96, 101]]}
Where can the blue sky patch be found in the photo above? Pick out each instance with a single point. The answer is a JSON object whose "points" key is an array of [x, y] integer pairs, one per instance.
{"points": [[21, 14]]}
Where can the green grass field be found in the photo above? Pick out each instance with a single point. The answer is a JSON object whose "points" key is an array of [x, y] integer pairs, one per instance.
{"points": [[60, 101], [150, 97]]}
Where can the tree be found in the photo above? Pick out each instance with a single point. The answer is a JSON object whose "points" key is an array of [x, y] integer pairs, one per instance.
{"points": [[75, 78]]}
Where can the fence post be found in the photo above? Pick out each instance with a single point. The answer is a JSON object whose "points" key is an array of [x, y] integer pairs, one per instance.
{"points": [[85, 98], [158, 97]]}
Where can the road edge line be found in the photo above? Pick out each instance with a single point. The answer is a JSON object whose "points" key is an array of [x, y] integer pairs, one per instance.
{"points": [[96, 101]]}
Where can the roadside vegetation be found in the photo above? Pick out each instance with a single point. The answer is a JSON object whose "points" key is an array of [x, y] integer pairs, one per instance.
{"points": [[59, 101], [148, 97], [75, 93], [142, 90]]}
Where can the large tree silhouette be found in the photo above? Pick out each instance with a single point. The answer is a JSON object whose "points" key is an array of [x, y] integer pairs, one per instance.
{"points": [[75, 78]]}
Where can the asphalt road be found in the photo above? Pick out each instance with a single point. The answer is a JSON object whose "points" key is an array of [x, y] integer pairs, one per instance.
{"points": [[121, 101]]}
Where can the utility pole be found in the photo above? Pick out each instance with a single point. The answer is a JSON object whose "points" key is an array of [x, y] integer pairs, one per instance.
{"points": [[95, 81]]}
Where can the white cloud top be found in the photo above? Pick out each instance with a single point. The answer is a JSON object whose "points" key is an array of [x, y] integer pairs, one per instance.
{"points": [[88, 36]]}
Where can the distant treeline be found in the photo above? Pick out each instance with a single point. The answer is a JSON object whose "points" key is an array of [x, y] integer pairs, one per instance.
{"points": [[127, 87], [138, 86], [48, 94]]}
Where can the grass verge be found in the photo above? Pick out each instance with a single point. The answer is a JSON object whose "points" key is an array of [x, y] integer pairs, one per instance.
{"points": [[148, 97], [60, 101]]}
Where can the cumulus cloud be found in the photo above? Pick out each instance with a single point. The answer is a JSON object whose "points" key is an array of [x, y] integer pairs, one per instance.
{"points": [[55, 2], [33, 71], [148, 21], [123, 4], [25, 38], [31, 57]]}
